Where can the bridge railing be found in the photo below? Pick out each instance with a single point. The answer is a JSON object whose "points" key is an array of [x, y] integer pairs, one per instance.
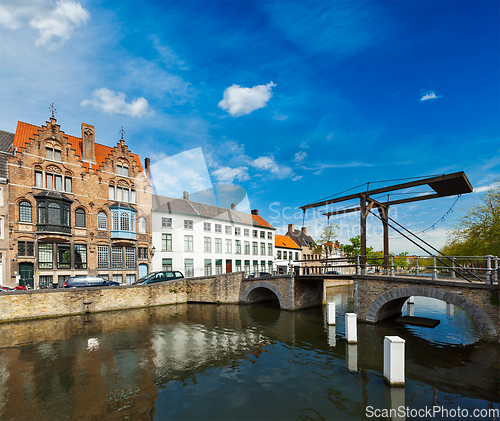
{"points": [[471, 268]]}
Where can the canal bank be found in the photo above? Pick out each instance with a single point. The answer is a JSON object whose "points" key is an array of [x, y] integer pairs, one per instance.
{"points": [[231, 288], [198, 361]]}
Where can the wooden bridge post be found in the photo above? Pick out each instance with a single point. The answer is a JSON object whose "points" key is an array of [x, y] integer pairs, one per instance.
{"points": [[363, 233]]}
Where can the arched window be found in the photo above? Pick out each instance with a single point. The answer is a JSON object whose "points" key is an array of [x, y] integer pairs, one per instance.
{"points": [[115, 226], [80, 218], [124, 222], [25, 211], [102, 221], [142, 225]]}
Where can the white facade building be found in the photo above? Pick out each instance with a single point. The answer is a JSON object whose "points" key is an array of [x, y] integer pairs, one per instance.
{"points": [[287, 253], [204, 240]]}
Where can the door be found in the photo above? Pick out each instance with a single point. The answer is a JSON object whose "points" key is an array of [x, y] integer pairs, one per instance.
{"points": [[26, 273], [143, 270], [229, 266]]}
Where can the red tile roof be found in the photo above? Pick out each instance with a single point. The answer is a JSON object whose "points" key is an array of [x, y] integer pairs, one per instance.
{"points": [[261, 222], [25, 131], [284, 241]]}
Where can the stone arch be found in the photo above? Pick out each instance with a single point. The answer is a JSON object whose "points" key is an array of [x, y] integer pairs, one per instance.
{"points": [[391, 302], [266, 285]]}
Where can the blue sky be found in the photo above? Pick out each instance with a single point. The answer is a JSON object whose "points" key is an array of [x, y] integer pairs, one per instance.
{"points": [[292, 101]]}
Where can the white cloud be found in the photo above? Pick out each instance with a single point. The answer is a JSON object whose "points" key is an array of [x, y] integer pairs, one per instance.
{"points": [[186, 171], [54, 24], [268, 163], [299, 157], [429, 95], [484, 188], [297, 177], [114, 103], [240, 101], [227, 174]]}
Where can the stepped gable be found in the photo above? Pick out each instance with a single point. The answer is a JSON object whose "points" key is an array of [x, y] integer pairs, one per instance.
{"points": [[188, 207], [25, 133]]}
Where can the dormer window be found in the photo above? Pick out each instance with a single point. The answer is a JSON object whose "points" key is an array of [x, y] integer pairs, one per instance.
{"points": [[122, 170], [53, 154]]}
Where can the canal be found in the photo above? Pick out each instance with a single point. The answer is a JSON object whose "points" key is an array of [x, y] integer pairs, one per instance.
{"points": [[228, 362]]}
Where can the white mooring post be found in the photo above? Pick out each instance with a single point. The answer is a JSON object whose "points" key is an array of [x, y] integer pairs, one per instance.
{"points": [[410, 309], [394, 360], [330, 313], [351, 328]]}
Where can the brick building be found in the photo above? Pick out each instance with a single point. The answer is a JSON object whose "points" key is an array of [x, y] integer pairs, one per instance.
{"points": [[76, 207]]}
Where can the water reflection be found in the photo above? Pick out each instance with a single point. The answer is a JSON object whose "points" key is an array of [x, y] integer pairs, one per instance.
{"points": [[227, 362]]}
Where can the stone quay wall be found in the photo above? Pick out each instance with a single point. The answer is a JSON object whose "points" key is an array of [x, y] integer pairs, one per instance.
{"points": [[231, 288], [63, 302], [224, 289]]}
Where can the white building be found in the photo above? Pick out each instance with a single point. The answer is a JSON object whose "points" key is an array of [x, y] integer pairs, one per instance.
{"points": [[286, 254], [203, 240]]}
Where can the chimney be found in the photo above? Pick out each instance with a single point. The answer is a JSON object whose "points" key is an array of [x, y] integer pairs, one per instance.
{"points": [[185, 195], [147, 167], [88, 143], [233, 206], [304, 230], [255, 211], [291, 228]]}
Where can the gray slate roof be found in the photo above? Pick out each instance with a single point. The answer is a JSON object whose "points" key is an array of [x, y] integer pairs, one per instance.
{"points": [[302, 238], [187, 207]]}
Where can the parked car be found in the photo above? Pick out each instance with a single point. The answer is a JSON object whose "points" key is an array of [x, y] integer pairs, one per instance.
{"points": [[160, 276], [88, 281], [258, 274], [332, 272]]}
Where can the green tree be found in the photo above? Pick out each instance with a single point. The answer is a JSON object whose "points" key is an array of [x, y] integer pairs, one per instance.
{"points": [[353, 249], [478, 231], [325, 244]]}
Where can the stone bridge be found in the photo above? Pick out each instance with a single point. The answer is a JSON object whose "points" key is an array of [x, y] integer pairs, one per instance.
{"points": [[293, 293], [378, 297]]}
